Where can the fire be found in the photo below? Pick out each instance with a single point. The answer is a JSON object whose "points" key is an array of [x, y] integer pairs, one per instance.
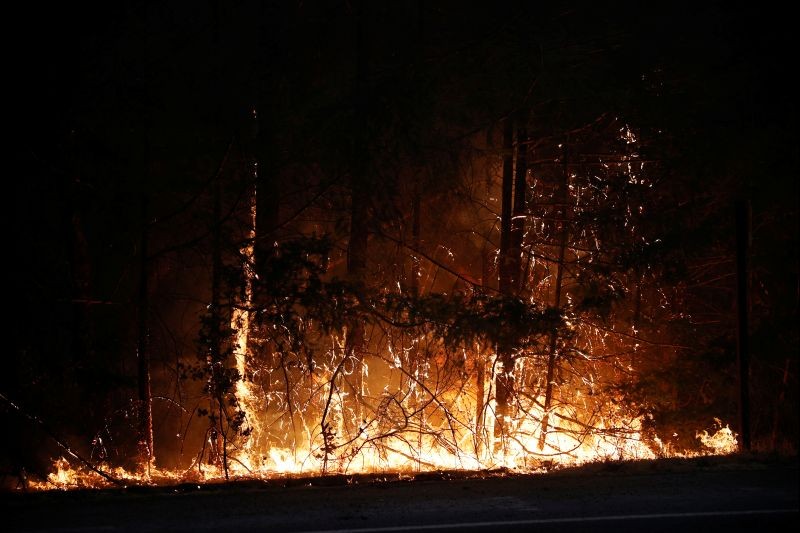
{"points": [[411, 405], [408, 402], [443, 439], [722, 442], [415, 414]]}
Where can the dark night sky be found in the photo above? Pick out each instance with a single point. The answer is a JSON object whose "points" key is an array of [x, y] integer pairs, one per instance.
{"points": [[82, 65]]}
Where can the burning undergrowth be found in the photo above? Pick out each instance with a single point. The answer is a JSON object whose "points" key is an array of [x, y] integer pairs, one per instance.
{"points": [[433, 351]]}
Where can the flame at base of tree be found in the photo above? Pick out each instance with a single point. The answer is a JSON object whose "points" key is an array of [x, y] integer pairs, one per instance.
{"points": [[390, 457], [412, 423]]}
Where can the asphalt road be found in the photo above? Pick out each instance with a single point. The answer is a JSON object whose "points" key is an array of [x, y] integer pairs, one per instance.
{"points": [[728, 497]]}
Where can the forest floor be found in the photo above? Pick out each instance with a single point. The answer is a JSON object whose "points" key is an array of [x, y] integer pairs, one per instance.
{"points": [[737, 493]]}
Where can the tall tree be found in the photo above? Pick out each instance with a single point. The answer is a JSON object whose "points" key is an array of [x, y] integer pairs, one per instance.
{"points": [[504, 377], [359, 206], [562, 247]]}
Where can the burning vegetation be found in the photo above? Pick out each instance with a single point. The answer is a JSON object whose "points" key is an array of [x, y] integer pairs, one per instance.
{"points": [[390, 277]]}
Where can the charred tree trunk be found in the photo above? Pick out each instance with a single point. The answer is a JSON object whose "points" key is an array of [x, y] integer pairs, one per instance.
{"points": [[219, 431], [518, 213], [356, 269], [215, 327], [480, 363], [637, 316], [144, 395], [267, 197], [504, 376], [562, 247], [417, 370], [82, 327], [267, 202], [416, 200], [359, 214], [145, 429]]}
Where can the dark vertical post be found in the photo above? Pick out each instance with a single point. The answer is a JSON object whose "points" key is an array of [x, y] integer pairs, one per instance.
{"points": [[742, 308]]}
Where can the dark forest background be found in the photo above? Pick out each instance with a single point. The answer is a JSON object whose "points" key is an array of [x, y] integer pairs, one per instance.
{"points": [[141, 129]]}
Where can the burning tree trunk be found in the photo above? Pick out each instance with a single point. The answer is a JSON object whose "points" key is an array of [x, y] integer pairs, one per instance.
{"points": [[504, 377], [562, 247]]}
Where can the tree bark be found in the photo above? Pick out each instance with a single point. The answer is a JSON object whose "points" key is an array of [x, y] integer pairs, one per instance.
{"points": [[145, 429], [359, 214], [266, 184], [518, 213], [416, 366], [145, 401], [480, 374], [215, 334], [504, 377], [562, 247]]}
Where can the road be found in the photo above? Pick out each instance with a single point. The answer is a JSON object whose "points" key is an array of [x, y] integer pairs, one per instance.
{"points": [[735, 497]]}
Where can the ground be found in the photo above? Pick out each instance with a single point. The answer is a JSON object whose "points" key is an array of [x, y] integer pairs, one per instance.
{"points": [[737, 494]]}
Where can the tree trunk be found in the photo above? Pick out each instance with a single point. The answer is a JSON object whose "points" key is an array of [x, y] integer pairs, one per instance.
{"points": [[416, 367], [215, 334], [416, 200], [266, 187], [359, 214], [518, 214], [637, 317], [145, 429], [266, 155], [480, 374], [82, 330], [504, 377], [356, 269], [562, 247], [145, 401]]}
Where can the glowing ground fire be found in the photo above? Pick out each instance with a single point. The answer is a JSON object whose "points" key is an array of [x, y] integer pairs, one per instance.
{"points": [[397, 439]]}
